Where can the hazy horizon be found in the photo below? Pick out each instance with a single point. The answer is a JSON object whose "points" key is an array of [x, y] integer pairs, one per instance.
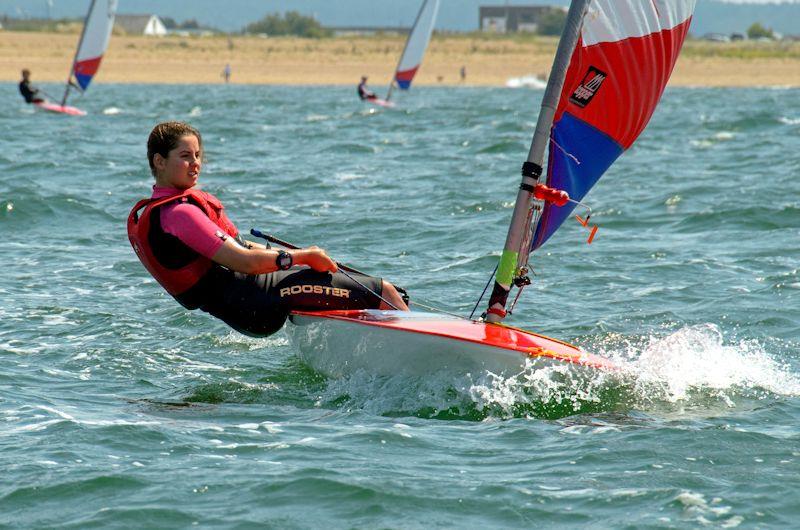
{"points": [[724, 16]]}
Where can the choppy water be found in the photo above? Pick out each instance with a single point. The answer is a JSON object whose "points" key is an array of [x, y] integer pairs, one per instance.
{"points": [[119, 409]]}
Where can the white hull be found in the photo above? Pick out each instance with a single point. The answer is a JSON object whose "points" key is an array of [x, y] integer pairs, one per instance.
{"points": [[338, 347]]}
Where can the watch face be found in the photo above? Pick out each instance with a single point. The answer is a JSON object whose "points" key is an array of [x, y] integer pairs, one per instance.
{"points": [[284, 260]]}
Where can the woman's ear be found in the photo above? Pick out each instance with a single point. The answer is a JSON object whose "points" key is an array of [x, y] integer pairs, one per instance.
{"points": [[159, 162]]}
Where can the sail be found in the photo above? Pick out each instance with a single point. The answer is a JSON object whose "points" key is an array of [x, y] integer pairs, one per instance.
{"points": [[416, 44], [94, 41], [616, 75]]}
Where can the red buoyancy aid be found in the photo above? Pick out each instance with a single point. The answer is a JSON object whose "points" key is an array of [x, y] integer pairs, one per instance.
{"points": [[175, 281]]}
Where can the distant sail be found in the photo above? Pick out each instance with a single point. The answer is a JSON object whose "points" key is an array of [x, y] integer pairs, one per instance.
{"points": [[416, 44], [94, 41], [617, 73]]}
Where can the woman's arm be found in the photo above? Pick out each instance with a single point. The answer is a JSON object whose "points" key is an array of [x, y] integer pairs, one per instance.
{"points": [[188, 223], [259, 259]]}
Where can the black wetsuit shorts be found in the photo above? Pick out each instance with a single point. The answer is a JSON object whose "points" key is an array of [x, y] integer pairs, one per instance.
{"points": [[258, 305]]}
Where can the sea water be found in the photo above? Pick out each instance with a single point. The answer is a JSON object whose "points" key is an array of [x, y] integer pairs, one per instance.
{"points": [[120, 409]]}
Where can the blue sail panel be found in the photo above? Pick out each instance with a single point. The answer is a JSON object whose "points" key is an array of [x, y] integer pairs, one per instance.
{"points": [[579, 155]]}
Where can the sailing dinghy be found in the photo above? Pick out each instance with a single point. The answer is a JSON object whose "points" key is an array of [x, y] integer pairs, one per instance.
{"points": [[611, 67], [91, 47], [414, 51]]}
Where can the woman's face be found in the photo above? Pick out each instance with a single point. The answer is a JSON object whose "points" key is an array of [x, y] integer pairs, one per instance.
{"points": [[181, 168]]}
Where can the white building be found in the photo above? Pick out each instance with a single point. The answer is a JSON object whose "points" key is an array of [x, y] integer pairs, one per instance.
{"points": [[141, 25]]}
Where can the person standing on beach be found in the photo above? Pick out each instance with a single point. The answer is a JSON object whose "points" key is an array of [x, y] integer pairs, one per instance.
{"points": [[363, 91], [27, 90], [185, 240], [463, 73], [226, 72]]}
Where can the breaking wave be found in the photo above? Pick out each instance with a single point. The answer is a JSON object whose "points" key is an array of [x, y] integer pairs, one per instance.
{"points": [[692, 369]]}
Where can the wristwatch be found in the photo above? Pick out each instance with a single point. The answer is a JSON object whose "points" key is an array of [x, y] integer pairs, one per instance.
{"points": [[284, 260]]}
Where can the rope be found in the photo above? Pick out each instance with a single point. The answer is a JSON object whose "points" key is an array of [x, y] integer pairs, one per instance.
{"points": [[437, 310], [484, 290], [370, 290], [514, 303]]}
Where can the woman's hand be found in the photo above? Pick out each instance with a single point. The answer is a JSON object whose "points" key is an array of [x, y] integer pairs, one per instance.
{"points": [[314, 257]]}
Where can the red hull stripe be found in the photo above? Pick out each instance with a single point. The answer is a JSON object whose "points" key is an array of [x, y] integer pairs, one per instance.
{"points": [[66, 109]]}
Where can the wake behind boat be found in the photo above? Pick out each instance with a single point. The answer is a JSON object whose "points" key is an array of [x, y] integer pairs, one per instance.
{"points": [[92, 45], [612, 64]]}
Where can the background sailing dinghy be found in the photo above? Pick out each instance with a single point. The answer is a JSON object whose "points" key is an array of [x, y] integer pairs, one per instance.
{"points": [[611, 66], [91, 47], [414, 51]]}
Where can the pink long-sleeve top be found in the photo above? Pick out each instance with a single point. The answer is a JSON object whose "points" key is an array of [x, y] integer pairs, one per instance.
{"points": [[188, 223]]}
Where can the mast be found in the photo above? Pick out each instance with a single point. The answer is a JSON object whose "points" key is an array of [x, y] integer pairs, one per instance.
{"points": [[515, 257], [400, 60], [77, 51]]}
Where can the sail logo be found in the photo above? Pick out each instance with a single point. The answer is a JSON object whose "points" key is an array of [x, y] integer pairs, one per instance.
{"points": [[588, 88]]}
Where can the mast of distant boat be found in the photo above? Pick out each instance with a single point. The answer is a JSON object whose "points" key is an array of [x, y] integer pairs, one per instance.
{"points": [[516, 252], [77, 51]]}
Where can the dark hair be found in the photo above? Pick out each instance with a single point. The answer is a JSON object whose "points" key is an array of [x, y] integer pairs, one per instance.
{"points": [[164, 138]]}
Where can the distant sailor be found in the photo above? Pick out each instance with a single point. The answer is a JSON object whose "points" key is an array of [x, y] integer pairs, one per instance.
{"points": [[363, 91], [186, 241], [28, 91]]}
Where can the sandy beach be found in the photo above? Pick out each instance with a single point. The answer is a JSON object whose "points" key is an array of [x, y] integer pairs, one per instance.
{"points": [[342, 60]]}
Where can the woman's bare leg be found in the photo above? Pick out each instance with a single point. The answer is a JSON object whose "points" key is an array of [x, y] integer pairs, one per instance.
{"points": [[391, 294]]}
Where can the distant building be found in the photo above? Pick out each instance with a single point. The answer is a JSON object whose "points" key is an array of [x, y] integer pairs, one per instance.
{"points": [[192, 32], [507, 19], [716, 37], [141, 25]]}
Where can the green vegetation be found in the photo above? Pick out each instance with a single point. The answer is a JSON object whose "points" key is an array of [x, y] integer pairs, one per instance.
{"points": [[757, 31], [61, 25], [552, 23], [171, 24], [748, 50], [293, 23]]}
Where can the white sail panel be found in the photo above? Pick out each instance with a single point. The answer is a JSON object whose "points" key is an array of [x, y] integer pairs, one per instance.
{"points": [[616, 20]]}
